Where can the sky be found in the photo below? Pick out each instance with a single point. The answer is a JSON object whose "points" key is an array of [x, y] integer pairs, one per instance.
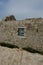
{"points": [[21, 9]]}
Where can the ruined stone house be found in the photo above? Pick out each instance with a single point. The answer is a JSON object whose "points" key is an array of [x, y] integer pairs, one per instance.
{"points": [[23, 33]]}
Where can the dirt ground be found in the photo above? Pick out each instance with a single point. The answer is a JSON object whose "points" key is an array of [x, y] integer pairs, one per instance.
{"points": [[19, 57]]}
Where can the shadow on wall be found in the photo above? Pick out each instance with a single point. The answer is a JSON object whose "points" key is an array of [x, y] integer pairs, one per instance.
{"points": [[33, 50], [14, 46], [8, 45]]}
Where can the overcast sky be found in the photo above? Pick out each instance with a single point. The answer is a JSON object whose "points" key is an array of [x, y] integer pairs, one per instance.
{"points": [[21, 8]]}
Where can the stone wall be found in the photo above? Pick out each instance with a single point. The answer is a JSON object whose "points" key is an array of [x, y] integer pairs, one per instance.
{"points": [[33, 33]]}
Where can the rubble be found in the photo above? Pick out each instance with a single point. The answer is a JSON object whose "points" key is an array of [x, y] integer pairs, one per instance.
{"points": [[19, 57]]}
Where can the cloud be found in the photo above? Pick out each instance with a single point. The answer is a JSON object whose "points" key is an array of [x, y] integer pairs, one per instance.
{"points": [[22, 8]]}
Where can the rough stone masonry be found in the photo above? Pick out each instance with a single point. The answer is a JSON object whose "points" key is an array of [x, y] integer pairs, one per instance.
{"points": [[23, 33]]}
